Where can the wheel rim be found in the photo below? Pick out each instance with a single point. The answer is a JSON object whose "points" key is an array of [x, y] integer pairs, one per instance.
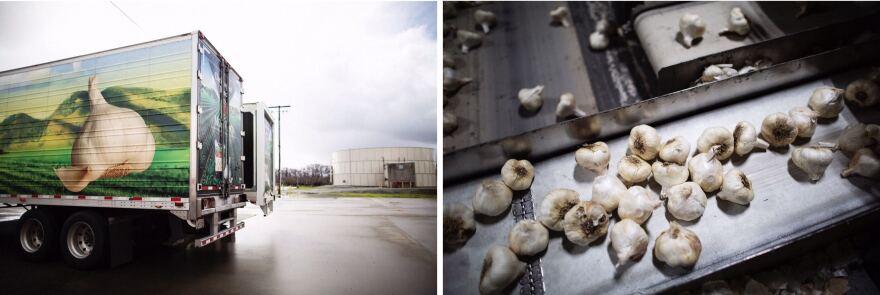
{"points": [[80, 240], [32, 235]]}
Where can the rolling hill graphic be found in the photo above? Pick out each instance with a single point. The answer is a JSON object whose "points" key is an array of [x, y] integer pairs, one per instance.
{"points": [[165, 112]]}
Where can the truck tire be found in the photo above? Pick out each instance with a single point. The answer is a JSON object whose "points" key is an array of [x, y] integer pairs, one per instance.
{"points": [[85, 240], [38, 235]]}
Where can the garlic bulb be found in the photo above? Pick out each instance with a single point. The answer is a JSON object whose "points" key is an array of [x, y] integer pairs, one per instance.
{"points": [[598, 41], [567, 106], [718, 138], [593, 157], [633, 169], [458, 223], [448, 60], [644, 142], [450, 122], [469, 40], [451, 83], [706, 171], [528, 237], [113, 142], [517, 174], [492, 198], [826, 101], [530, 98], [585, 222], [678, 246], [501, 267], [805, 120], [854, 137], [745, 139], [864, 163], [559, 15], [668, 174], [737, 23], [629, 240], [486, 19], [718, 72], [863, 93], [778, 129], [607, 190], [637, 204], [555, 205], [736, 188], [813, 159], [675, 150], [691, 27], [686, 201]]}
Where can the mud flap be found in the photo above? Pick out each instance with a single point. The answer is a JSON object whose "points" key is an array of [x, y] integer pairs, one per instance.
{"points": [[121, 247]]}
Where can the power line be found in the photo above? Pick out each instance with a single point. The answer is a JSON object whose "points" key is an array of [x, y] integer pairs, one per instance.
{"points": [[128, 17]]}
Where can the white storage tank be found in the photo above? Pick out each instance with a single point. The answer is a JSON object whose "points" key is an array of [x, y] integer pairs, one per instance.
{"points": [[385, 167]]}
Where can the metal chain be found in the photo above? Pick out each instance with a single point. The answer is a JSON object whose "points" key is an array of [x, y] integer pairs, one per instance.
{"points": [[532, 283]]}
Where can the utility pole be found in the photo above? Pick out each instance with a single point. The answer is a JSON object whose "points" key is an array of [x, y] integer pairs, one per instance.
{"points": [[279, 110]]}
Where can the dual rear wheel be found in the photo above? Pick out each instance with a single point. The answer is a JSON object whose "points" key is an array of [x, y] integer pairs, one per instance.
{"points": [[83, 239]]}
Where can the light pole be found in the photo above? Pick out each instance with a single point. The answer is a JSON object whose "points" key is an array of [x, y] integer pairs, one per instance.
{"points": [[279, 110]]}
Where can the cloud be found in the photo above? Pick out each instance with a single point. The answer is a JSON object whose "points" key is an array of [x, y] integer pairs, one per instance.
{"points": [[355, 75]]}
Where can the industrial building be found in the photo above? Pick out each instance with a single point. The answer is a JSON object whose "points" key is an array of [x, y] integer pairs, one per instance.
{"points": [[385, 167]]}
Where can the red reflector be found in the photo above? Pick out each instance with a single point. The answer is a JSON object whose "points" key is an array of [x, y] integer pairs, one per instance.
{"points": [[81, 197], [178, 204], [57, 196], [14, 195], [108, 198], [175, 199], [35, 196], [136, 198]]}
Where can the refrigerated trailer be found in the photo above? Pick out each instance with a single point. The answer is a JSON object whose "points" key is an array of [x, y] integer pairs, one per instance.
{"points": [[102, 147]]}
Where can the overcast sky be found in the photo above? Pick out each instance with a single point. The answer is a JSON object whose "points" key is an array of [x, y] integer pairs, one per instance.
{"points": [[355, 75]]}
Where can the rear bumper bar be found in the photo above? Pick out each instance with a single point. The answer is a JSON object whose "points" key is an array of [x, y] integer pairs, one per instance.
{"points": [[210, 239]]}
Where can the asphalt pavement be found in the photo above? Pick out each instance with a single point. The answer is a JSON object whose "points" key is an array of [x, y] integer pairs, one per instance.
{"points": [[307, 246]]}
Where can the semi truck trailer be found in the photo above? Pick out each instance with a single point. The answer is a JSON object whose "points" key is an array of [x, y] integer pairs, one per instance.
{"points": [[106, 148]]}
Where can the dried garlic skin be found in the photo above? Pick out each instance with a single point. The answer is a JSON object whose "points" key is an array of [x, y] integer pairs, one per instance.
{"points": [[778, 129], [638, 203], [669, 174], [745, 139], [691, 27], [607, 190], [492, 198], [593, 157], [518, 174], [555, 205], [686, 201], [863, 163], [813, 160], [560, 15], [530, 98], [736, 188], [644, 142], [486, 19], [863, 93], [854, 137], [567, 106], [805, 120], [450, 122], [629, 240], [718, 138], [706, 171], [633, 169], [678, 246], [827, 101], [501, 268], [675, 150], [585, 223], [458, 223], [528, 237]]}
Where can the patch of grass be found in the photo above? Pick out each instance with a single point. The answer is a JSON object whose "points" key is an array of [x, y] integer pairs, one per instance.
{"points": [[386, 195]]}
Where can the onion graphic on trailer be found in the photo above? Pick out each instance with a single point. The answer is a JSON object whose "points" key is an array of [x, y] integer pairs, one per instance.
{"points": [[113, 142]]}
